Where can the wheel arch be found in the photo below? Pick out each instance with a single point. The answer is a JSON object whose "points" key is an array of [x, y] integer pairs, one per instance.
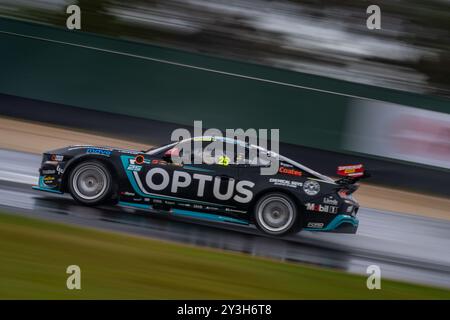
{"points": [[83, 158], [298, 203]]}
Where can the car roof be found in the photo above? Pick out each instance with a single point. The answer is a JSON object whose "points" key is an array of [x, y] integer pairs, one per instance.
{"points": [[247, 145]]}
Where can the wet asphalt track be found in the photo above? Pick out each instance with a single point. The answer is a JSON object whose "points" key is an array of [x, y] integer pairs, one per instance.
{"points": [[406, 247]]}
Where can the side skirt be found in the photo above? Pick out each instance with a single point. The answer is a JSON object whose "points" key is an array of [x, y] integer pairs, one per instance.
{"points": [[188, 213]]}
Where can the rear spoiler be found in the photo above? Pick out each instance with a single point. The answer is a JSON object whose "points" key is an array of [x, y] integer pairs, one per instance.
{"points": [[350, 175]]}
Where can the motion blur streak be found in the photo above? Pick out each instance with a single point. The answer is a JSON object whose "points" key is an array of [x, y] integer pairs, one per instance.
{"points": [[406, 247], [330, 38], [187, 66]]}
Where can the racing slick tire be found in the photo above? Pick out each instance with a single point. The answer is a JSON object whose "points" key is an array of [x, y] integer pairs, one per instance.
{"points": [[276, 214], [90, 183]]}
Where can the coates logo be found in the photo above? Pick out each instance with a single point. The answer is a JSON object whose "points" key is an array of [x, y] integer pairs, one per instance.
{"points": [[290, 171]]}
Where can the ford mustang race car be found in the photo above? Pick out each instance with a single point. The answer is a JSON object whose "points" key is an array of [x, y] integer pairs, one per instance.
{"points": [[294, 198]]}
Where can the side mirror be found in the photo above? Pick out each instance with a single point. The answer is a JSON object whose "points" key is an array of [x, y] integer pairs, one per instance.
{"points": [[174, 152]]}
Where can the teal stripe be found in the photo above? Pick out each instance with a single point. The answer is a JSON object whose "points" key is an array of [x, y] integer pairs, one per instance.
{"points": [[197, 169], [208, 216], [135, 205], [189, 213], [138, 191], [43, 187], [46, 189]]}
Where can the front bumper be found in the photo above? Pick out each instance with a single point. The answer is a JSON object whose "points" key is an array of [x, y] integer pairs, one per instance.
{"points": [[50, 174], [42, 186]]}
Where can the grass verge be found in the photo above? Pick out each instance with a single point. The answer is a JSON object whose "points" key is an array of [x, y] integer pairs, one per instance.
{"points": [[34, 255]]}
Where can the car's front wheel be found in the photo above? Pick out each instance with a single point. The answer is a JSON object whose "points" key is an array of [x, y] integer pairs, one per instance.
{"points": [[276, 214], [90, 183]]}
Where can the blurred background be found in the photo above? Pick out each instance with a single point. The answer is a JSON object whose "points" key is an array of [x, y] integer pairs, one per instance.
{"points": [[339, 93], [329, 38]]}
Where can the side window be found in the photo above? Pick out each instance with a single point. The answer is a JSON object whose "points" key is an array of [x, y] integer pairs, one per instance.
{"points": [[176, 153], [252, 157], [206, 154], [225, 156]]}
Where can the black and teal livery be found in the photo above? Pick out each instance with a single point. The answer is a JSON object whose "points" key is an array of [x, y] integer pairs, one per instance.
{"points": [[293, 198]]}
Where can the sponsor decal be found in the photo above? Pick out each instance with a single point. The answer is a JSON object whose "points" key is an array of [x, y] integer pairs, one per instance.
{"points": [[290, 171], [49, 171], [56, 157], [59, 169], [330, 200], [134, 167], [223, 189], [211, 208], [223, 161], [132, 152], [101, 152], [52, 163], [316, 225], [349, 209], [351, 171], [286, 165], [128, 194], [286, 183], [311, 187], [240, 158], [321, 208], [235, 210], [48, 180]]}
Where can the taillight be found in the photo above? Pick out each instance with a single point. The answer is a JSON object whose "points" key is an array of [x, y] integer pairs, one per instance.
{"points": [[343, 193]]}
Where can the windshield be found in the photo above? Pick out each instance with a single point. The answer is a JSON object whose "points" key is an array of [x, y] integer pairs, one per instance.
{"points": [[153, 151]]}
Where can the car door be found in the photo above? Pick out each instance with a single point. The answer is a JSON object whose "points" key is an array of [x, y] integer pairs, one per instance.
{"points": [[150, 176], [250, 165], [170, 182], [213, 181]]}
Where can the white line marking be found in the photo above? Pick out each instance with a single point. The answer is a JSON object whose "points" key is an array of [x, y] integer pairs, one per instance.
{"points": [[18, 177]]}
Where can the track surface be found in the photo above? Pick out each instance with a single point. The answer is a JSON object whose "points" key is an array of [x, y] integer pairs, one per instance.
{"points": [[406, 247]]}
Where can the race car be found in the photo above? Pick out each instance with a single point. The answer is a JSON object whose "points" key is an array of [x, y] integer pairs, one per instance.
{"points": [[225, 189]]}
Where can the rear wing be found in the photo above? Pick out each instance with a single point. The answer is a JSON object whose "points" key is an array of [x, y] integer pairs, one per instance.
{"points": [[350, 175]]}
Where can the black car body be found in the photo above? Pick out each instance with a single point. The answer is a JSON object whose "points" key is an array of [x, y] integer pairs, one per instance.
{"points": [[296, 197]]}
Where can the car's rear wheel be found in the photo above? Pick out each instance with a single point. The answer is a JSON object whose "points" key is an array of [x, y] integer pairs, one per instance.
{"points": [[276, 214], [90, 183]]}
